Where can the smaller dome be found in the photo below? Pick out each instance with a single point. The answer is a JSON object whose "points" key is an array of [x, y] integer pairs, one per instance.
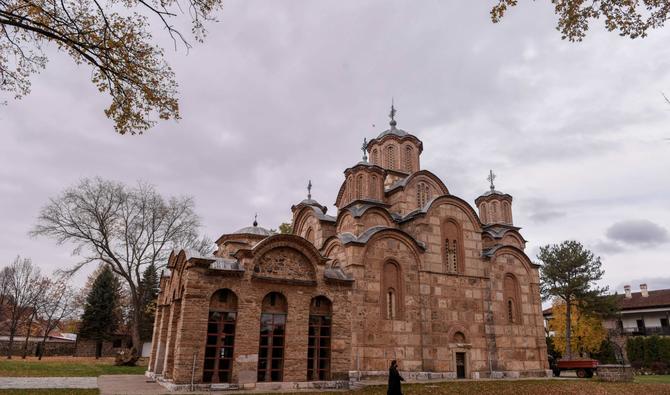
{"points": [[310, 202], [254, 230], [492, 192]]}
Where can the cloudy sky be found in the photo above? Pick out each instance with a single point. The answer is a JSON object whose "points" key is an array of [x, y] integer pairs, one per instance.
{"points": [[284, 92]]}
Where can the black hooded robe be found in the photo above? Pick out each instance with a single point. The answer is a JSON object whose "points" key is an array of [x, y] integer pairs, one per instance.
{"points": [[394, 382]]}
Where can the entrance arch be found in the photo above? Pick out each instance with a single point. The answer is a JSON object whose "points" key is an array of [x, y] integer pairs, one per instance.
{"points": [[271, 343]]}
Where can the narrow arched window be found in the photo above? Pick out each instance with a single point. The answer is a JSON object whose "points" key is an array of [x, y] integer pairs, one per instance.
{"points": [[453, 246], [507, 213], [494, 216], [375, 157], [512, 298], [391, 298], [391, 304], [390, 157], [359, 186], [350, 189], [422, 194], [409, 158], [373, 187], [484, 213], [510, 310]]}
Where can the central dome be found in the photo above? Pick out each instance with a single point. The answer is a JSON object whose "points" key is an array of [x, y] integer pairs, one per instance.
{"points": [[393, 131]]}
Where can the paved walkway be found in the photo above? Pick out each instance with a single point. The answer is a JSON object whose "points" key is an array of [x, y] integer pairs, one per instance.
{"points": [[48, 382], [129, 384]]}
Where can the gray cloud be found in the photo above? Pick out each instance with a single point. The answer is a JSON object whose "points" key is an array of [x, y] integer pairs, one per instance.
{"points": [[608, 247], [653, 283], [541, 210], [284, 92], [637, 232]]}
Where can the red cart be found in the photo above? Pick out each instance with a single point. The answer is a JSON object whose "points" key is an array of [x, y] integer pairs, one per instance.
{"points": [[583, 367]]}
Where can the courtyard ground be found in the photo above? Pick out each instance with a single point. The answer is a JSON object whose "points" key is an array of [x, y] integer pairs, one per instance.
{"points": [[129, 380], [64, 367]]}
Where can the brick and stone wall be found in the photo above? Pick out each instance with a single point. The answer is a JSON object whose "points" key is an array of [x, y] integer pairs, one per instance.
{"points": [[615, 373]]}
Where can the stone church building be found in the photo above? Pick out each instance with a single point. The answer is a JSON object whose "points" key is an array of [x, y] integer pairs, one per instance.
{"points": [[404, 270]]}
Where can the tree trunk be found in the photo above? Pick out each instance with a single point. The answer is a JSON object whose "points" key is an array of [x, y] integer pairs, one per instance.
{"points": [[568, 328], [25, 344], [44, 341], [135, 326], [10, 345]]}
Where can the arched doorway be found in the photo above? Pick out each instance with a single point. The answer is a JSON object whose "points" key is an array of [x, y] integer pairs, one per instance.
{"points": [[318, 346], [220, 344], [271, 343]]}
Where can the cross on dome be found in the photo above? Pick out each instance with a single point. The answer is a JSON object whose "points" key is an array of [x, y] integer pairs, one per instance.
{"points": [[364, 149], [490, 178], [309, 190]]}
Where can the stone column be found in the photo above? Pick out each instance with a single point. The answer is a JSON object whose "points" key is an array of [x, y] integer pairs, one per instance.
{"points": [[162, 339], [173, 323], [154, 339], [189, 354]]}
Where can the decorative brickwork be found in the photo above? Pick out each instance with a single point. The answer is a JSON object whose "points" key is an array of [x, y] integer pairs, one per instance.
{"points": [[404, 271]]}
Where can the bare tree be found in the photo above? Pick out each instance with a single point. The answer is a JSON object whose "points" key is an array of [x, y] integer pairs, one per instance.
{"points": [[126, 228], [4, 286], [113, 38], [22, 295], [59, 305]]}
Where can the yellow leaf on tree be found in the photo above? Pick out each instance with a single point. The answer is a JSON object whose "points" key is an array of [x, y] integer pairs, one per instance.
{"points": [[587, 332]]}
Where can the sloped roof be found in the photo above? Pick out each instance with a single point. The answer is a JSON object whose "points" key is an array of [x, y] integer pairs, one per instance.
{"points": [[658, 298]]}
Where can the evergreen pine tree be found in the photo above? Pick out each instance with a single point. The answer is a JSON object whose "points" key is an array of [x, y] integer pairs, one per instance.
{"points": [[100, 318], [149, 288]]}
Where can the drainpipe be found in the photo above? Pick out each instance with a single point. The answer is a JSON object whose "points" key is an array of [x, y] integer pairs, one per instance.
{"points": [[195, 354]]}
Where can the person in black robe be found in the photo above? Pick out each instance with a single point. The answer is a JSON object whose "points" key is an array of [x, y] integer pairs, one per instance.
{"points": [[394, 380]]}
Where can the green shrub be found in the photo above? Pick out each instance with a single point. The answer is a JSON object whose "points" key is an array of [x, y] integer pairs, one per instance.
{"points": [[652, 352]]}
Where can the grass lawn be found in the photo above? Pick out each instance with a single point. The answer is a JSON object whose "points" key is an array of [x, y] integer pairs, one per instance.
{"points": [[653, 379], [51, 391], [518, 387], [64, 367]]}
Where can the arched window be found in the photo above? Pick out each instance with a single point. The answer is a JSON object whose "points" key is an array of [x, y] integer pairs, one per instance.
{"points": [[484, 213], [507, 213], [359, 186], [453, 246], [459, 337], [391, 291], [318, 346], [409, 158], [512, 299], [271, 343], [391, 304], [496, 212], [220, 344], [309, 235], [422, 194], [373, 187], [375, 157], [350, 189], [390, 157]]}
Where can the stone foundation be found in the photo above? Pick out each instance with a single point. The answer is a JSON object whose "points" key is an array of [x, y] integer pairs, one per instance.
{"points": [[615, 373]]}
